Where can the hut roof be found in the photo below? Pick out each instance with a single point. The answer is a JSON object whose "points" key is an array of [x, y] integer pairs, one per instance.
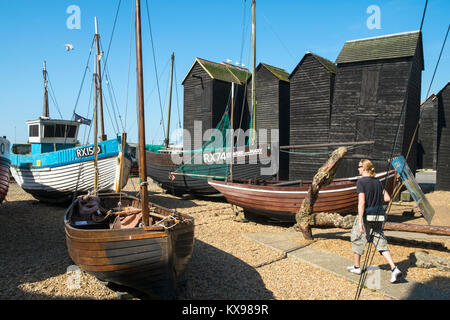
{"points": [[277, 72], [392, 46], [224, 71], [432, 97], [327, 64], [440, 91]]}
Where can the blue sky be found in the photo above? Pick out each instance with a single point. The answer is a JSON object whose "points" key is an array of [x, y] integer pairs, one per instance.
{"points": [[32, 31]]}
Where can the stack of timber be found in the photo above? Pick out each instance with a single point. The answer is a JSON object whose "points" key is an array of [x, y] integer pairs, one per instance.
{"points": [[312, 84], [272, 108], [375, 78], [443, 165]]}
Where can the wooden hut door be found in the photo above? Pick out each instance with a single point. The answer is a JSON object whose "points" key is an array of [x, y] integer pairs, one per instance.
{"points": [[365, 130]]}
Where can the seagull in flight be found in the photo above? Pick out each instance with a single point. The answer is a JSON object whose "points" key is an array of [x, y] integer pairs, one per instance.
{"points": [[68, 46]]}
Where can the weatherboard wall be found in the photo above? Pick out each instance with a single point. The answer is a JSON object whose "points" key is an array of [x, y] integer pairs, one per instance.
{"points": [[428, 134], [272, 111], [205, 100], [367, 106], [443, 164], [310, 108]]}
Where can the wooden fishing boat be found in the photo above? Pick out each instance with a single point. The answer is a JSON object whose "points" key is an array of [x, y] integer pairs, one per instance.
{"points": [[151, 259], [282, 202], [162, 168], [53, 166], [125, 240], [55, 176], [5, 163], [191, 176]]}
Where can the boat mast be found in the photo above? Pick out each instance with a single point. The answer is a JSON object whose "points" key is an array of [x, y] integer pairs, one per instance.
{"points": [[166, 140], [99, 76], [95, 131], [140, 85], [252, 132], [45, 113]]}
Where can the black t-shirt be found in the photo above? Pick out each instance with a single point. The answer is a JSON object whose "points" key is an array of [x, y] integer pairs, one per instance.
{"points": [[372, 189]]}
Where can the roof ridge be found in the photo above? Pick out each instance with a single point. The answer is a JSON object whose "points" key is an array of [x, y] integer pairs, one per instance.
{"points": [[321, 60], [274, 70], [383, 36]]}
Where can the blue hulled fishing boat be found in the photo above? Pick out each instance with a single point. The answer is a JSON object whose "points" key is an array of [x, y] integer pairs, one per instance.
{"points": [[53, 165]]}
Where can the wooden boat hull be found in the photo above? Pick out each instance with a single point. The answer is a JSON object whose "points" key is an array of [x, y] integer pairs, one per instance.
{"points": [[148, 259], [57, 183], [282, 202], [4, 168], [160, 166]]}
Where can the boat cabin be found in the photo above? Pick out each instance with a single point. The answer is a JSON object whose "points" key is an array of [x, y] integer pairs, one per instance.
{"points": [[48, 135]]}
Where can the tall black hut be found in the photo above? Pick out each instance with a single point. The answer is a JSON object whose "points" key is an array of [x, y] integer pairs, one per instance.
{"points": [[374, 76], [272, 106], [207, 92], [428, 131], [311, 97], [443, 164]]}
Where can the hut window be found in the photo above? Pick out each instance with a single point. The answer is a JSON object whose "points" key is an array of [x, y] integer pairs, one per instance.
{"points": [[49, 131], [369, 86], [60, 131], [34, 130], [71, 131]]}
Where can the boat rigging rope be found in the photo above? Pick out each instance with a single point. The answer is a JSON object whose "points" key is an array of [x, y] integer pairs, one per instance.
{"points": [[84, 75], [52, 95], [176, 93], [112, 95], [129, 63], [154, 63], [371, 246], [428, 92], [305, 73]]}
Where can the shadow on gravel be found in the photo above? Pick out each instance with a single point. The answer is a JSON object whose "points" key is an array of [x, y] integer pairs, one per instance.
{"points": [[422, 291], [33, 249], [214, 274], [32, 245]]}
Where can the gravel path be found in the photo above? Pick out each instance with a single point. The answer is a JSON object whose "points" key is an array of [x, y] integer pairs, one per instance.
{"points": [[225, 264]]}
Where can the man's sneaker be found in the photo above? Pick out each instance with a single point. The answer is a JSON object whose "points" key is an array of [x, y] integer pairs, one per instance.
{"points": [[396, 274], [354, 269]]}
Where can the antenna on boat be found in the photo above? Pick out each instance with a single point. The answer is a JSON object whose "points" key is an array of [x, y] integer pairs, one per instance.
{"points": [[99, 76], [141, 120], [166, 140], [45, 113]]}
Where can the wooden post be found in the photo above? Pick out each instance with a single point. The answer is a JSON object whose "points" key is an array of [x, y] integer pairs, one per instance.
{"points": [[141, 119], [323, 177]]}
